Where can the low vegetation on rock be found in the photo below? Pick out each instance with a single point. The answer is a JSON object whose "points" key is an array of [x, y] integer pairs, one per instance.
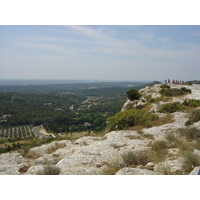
{"points": [[171, 107], [133, 94], [49, 170], [149, 136], [130, 118], [194, 117], [167, 91]]}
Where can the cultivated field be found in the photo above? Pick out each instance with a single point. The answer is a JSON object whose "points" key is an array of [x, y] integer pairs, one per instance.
{"points": [[17, 132]]}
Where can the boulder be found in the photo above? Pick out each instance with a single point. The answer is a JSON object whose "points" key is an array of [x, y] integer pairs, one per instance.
{"points": [[128, 104], [33, 170], [135, 171], [195, 171], [196, 152], [172, 164], [10, 163]]}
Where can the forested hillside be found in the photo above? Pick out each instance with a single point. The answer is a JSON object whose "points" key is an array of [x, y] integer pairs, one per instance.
{"points": [[83, 107]]}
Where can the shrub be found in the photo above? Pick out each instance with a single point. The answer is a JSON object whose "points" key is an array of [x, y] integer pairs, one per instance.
{"points": [[192, 103], [133, 94], [195, 117], [175, 91], [188, 83], [190, 133], [49, 170], [178, 142], [132, 159], [159, 145], [185, 90], [55, 147], [165, 86], [197, 146], [159, 150], [130, 118], [165, 170], [191, 161], [172, 140], [171, 107]]}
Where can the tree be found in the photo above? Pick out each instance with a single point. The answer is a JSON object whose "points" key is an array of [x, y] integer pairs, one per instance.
{"points": [[18, 145], [9, 148], [133, 94]]}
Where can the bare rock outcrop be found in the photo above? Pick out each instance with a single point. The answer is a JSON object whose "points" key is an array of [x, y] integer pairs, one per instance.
{"points": [[135, 171], [93, 155], [11, 163]]}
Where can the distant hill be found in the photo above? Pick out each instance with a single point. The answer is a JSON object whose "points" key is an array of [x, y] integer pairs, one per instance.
{"points": [[42, 86]]}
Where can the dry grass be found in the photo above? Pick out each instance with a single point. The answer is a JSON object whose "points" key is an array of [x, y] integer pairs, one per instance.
{"points": [[54, 148], [136, 128], [187, 140], [27, 153], [142, 134], [136, 158], [197, 145], [165, 170], [110, 169], [191, 161], [49, 170], [30, 154], [145, 135], [147, 107], [191, 133], [168, 119]]}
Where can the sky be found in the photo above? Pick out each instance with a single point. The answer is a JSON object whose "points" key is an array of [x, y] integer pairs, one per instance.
{"points": [[100, 52]]}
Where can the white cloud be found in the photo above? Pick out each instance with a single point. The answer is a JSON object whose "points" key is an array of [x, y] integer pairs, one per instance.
{"points": [[88, 32], [146, 36], [85, 48], [164, 40]]}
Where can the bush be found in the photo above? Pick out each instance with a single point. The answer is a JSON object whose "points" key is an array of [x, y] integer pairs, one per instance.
{"points": [[110, 170], [165, 86], [171, 107], [130, 118], [192, 103], [175, 91], [191, 161], [195, 117], [55, 147], [159, 145], [188, 83], [133, 94], [159, 150], [49, 170], [132, 159], [190, 133], [185, 90]]}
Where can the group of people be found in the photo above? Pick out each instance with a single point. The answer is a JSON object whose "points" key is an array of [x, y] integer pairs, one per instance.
{"points": [[174, 81]]}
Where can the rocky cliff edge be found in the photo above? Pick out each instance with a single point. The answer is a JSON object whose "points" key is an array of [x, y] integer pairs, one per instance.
{"points": [[124, 152]]}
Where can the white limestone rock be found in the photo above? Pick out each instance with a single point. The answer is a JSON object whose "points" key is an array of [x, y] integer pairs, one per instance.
{"points": [[195, 171], [10, 163], [173, 164], [128, 104], [33, 170], [135, 171], [196, 152]]}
